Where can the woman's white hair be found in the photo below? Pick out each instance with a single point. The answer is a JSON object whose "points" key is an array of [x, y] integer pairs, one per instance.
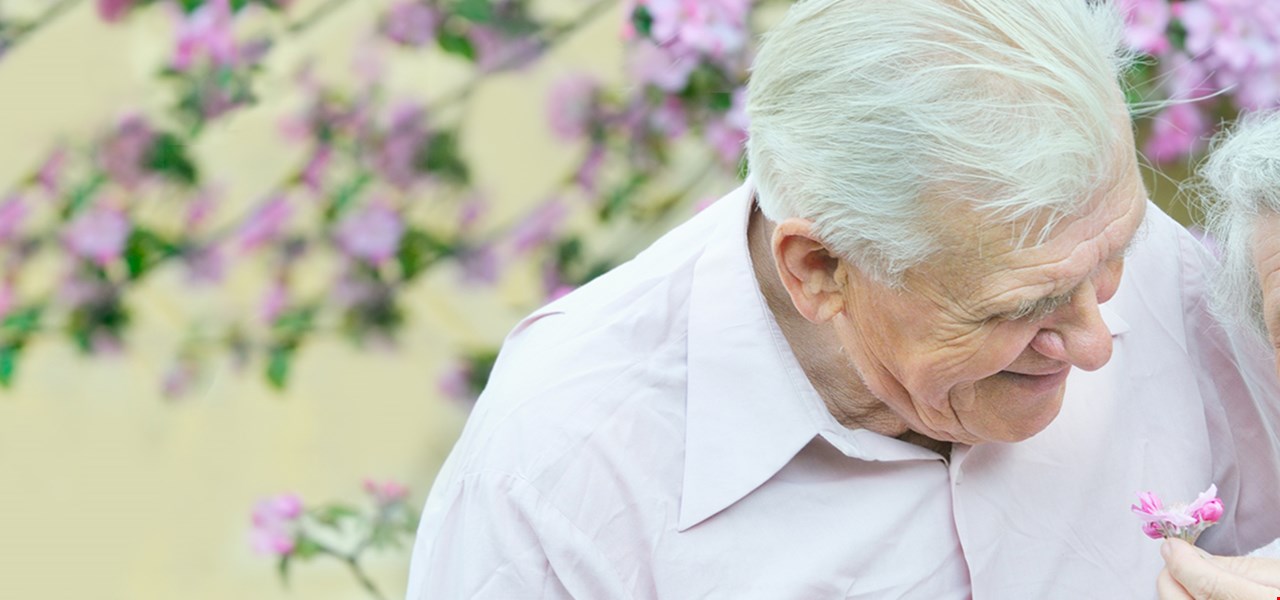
{"points": [[869, 117], [1239, 181]]}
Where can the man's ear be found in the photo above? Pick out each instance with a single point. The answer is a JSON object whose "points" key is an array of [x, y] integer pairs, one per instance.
{"points": [[813, 275]]}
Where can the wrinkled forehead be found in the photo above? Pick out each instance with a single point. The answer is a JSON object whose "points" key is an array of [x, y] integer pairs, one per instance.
{"points": [[979, 246]]}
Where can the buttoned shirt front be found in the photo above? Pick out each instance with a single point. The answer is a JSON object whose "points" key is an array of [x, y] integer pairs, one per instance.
{"points": [[652, 436]]}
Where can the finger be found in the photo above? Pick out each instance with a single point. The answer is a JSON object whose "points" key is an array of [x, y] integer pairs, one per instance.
{"points": [[1204, 580], [1168, 589], [1265, 571]]}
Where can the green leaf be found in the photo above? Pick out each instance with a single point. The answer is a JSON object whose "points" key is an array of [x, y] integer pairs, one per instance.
{"points": [[283, 568], [642, 21], [476, 11], [418, 251], [8, 363], [346, 195], [80, 195], [441, 157], [481, 368], [306, 548], [620, 197], [568, 252], [279, 360], [452, 42], [21, 322], [334, 513], [168, 157], [294, 323], [146, 249]]}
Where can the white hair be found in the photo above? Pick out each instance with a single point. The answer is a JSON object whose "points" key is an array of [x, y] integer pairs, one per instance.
{"points": [[868, 117], [1239, 181]]}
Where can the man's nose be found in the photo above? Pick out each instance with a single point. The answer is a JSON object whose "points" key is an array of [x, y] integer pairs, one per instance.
{"points": [[1077, 334]]}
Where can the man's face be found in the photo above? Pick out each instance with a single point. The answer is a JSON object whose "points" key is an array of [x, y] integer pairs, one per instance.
{"points": [[977, 344]]}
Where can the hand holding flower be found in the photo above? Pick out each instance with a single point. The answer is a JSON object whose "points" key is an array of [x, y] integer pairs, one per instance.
{"points": [[1191, 573]]}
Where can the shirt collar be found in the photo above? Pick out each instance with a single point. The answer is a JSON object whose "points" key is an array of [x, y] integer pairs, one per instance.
{"points": [[750, 408]]}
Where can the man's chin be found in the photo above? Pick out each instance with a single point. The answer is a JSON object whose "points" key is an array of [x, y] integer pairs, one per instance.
{"points": [[1023, 415]]}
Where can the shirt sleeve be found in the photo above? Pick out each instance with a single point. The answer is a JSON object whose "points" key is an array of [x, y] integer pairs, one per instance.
{"points": [[493, 536]]}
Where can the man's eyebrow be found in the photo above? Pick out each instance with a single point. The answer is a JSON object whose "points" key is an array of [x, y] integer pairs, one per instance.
{"points": [[1038, 308]]}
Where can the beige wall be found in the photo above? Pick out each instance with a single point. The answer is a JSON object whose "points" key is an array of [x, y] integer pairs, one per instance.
{"points": [[109, 492]]}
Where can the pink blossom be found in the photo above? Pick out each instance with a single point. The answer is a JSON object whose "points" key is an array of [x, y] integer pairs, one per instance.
{"points": [[112, 11], [727, 140], [588, 174], [207, 33], [411, 23], [539, 227], [712, 27], [98, 234], [406, 135], [274, 302], [12, 213], [572, 106], [480, 265], [275, 524], [386, 493], [1147, 22], [663, 68], [8, 298], [1184, 522], [472, 211], [1176, 132], [372, 234], [497, 50], [313, 173], [455, 383], [669, 118], [124, 153], [265, 224], [206, 265], [50, 174]]}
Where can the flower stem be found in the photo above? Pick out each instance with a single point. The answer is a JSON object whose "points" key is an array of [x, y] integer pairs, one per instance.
{"points": [[46, 17], [363, 578]]}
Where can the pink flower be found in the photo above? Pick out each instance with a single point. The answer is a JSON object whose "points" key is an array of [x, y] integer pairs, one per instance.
{"points": [[411, 24], [715, 28], [265, 224], [670, 119], [650, 64], [497, 50], [313, 173], [1178, 131], [372, 234], [588, 175], [1146, 24], [480, 265], [12, 213], [208, 34], [539, 227], [386, 493], [1184, 522], [112, 11], [98, 234], [275, 524], [728, 141], [455, 383], [123, 154], [396, 158], [274, 302], [207, 264], [50, 174], [572, 106]]}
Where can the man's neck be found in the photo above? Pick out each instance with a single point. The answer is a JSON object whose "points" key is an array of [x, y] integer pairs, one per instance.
{"points": [[818, 351]]}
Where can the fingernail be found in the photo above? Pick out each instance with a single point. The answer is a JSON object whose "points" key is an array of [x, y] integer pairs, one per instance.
{"points": [[1164, 550]]}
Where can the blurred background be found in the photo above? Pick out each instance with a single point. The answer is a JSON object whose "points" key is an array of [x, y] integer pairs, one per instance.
{"points": [[257, 256]]}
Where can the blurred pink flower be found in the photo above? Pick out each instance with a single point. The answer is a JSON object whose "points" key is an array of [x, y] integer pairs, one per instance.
{"points": [[274, 302], [386, 493], [712, 27], [411, 23], [98, 234], [313, 174], [648, 63], [538, 228], [372, 234], [50, 174], [13, 212], [114, 10], [396, 159], [497, 50], [455, 383], [669, 118], [1147, 22], [207, 33], [1176, 132], [207, 264], [472, 211], [588, 175], [480, 265], [123, 155], [275, 524], [265, 224], [727, 140], [572, 106]]}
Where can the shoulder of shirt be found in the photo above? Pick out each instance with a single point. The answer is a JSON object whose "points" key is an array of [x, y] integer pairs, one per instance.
{"points": [[614, 348]]}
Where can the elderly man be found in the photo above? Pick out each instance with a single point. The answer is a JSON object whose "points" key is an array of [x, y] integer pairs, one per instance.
{"points": [[932, 349]]}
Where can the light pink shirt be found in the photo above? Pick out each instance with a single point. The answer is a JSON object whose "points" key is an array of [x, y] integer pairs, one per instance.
{"points": [[652, 436]]}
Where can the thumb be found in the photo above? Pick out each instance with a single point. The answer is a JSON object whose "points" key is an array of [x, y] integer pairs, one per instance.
{"points": [[1205, 580]]}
